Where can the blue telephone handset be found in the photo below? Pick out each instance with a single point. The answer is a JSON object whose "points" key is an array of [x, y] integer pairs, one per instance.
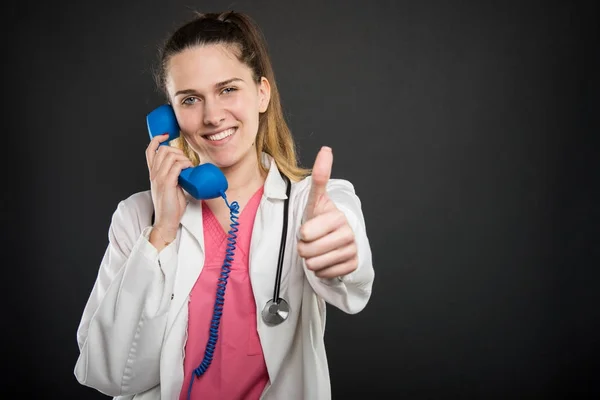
{"points": [[203, 182]]}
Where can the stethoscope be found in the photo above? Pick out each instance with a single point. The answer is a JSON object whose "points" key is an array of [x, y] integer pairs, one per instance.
{"points": [[277, 309]]}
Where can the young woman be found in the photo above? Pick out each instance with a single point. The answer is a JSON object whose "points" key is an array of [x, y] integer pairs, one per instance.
{"points": [[160, 322]]}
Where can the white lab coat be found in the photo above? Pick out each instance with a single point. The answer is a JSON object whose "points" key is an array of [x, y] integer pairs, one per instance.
{"points": [[133, 331]]}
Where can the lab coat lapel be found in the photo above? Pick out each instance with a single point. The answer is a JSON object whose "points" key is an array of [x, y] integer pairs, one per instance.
{"points": [[267, 227], [264, 253], [190, 257]]}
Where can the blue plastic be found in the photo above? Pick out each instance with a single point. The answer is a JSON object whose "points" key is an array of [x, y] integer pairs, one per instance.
{"points": [[206, 181], [162, 120]]}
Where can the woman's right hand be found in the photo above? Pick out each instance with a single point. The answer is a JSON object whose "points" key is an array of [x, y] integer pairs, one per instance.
{"points": [[164, 167]]}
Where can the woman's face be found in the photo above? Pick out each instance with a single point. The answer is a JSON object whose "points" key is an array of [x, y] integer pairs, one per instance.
{"points": [[217, 103]]}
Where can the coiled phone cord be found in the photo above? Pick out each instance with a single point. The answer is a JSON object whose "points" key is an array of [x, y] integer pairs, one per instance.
{"points": [[213, 336]]}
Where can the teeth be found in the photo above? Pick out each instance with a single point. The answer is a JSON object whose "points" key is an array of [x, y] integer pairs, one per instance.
{"points": [[221, 135]]}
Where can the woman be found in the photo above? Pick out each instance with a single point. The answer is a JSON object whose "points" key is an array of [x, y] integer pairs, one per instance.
{"points": [[145, 331]]}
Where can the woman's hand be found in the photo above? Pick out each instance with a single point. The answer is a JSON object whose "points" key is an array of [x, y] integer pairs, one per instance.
{"points": [[326, 242], [165, 163]]}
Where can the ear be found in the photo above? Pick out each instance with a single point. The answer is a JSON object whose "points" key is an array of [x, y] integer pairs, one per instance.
{"points": [[264, 94]]}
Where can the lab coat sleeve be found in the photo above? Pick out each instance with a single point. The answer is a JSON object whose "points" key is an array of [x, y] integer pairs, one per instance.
{"points": [[352, 292], [124, 320]]}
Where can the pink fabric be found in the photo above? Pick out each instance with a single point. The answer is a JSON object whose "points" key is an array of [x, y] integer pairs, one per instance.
{"points": [[238, 369]]}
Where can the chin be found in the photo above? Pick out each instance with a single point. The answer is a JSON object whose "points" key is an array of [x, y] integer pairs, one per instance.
{"points": [[225, 161], [228, 159]]}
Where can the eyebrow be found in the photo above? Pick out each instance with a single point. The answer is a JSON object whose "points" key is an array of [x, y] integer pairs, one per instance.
{"points": [[218, 85], [227, 82]]}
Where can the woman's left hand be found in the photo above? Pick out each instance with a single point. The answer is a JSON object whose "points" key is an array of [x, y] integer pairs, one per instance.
{"points": [[326, 240]]}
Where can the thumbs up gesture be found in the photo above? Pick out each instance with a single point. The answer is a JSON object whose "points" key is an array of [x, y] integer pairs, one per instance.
{"points": [[326, 240]]}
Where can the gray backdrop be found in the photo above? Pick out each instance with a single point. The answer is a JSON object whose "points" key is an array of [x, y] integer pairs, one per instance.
{"points": [[469, 130]]}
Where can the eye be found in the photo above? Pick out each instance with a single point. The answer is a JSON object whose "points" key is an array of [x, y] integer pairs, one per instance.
{"points": [[228, 90], [188, 101]]}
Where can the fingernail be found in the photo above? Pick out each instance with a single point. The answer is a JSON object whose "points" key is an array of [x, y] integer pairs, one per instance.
{"points": [[326, 148], [298, 234]]}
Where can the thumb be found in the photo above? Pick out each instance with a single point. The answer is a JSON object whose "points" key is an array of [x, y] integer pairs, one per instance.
{"points": [[321, 173]]}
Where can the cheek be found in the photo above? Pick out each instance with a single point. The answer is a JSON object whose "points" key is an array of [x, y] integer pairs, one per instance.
{"points": [[246, 110], [189, 121]]}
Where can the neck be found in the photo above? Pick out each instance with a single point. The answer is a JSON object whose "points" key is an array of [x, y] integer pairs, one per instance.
{"points": [[243, 178]]}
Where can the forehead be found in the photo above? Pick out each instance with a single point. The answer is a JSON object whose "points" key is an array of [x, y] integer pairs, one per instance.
{"points": [[200, 67]]}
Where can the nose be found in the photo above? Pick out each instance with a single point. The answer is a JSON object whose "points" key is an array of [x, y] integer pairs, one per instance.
{"points": [[213, 113]]}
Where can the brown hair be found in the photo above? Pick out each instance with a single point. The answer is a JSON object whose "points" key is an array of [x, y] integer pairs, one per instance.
{"points": [[231, 28]]}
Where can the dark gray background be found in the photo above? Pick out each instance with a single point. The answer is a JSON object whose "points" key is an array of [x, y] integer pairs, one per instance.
{"points": [[469, 129]]}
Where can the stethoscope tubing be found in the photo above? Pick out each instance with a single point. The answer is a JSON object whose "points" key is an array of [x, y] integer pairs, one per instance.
{"points": [[284, 229]]}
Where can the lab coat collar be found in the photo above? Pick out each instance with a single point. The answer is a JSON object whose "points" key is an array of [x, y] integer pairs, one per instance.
{"points": [[275, 188], [275, 185]]}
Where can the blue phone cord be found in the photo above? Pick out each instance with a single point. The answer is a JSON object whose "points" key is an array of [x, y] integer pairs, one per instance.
{"points": [[234, 209]]}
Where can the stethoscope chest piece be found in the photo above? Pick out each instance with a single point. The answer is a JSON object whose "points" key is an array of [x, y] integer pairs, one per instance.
{"points": [[275, 313]]}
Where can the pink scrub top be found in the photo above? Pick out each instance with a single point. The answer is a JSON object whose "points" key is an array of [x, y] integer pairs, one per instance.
{"points": [[238, 369]]}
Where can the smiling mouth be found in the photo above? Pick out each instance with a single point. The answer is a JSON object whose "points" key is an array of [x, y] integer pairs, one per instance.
{"points": [[220, 135]]}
